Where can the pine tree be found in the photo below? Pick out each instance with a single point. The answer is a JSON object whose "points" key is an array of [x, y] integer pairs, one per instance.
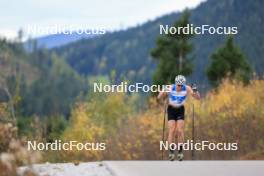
{"points": [[228, 61], [172, 53]]}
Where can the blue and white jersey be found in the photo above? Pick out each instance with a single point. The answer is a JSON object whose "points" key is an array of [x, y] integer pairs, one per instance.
{"points": [[177, 98]]}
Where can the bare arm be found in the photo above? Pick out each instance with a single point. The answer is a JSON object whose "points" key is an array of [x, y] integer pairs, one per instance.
{"points": [[163, 94], [194, 94]]}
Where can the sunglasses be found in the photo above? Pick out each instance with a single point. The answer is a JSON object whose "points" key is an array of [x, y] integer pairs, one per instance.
{"points": [[179, 85]]}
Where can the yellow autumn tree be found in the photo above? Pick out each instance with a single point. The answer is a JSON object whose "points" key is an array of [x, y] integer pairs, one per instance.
{"points": [[97, 120], [232, 113]]}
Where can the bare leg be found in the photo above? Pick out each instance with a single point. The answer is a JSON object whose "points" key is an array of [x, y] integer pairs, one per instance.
{"points": [[172, 130], [180, 135], [171, 137], [180, 131]]}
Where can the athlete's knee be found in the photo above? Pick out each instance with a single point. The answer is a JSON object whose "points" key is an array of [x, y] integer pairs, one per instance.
{"points": [[172, 129], [180, 132]]}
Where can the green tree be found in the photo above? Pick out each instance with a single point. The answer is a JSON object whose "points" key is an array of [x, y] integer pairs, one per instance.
{"points": [[56, 89], [228, 61], [172, 53]]}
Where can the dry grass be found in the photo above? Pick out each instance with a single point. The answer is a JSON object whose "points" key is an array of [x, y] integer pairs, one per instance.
{"points": [[13, 153]]}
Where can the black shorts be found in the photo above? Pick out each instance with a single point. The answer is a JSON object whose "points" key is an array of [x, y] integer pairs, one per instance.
{"points": [[175, 113]]}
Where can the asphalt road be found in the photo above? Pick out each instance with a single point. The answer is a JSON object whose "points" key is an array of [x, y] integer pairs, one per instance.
{"points": [[151, 168], [186, 168]]}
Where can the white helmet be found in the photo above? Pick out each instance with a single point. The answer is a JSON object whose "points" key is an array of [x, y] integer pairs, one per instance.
{"points": [[180, 80]]}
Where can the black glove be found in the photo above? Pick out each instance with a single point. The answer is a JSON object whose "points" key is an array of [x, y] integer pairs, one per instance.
{"points": [[194, 87]]}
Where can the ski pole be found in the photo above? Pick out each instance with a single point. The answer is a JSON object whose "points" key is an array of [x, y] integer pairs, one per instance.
{"points": [[193, 130], [163, 130], [194, 88]]}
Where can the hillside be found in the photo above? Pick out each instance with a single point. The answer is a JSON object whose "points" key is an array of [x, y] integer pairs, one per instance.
{"points": [[37, 82], [128, 52], [57, 40]]}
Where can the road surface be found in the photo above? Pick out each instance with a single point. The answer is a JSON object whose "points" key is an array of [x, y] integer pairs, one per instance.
{"points": [[153, 168]]}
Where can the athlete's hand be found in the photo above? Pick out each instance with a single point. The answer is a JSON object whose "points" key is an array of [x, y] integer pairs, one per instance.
{"points": [[194, 88], [195, 94]]}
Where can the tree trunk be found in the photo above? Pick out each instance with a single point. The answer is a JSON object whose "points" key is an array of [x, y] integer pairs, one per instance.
{"points": [[11, 104]]}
